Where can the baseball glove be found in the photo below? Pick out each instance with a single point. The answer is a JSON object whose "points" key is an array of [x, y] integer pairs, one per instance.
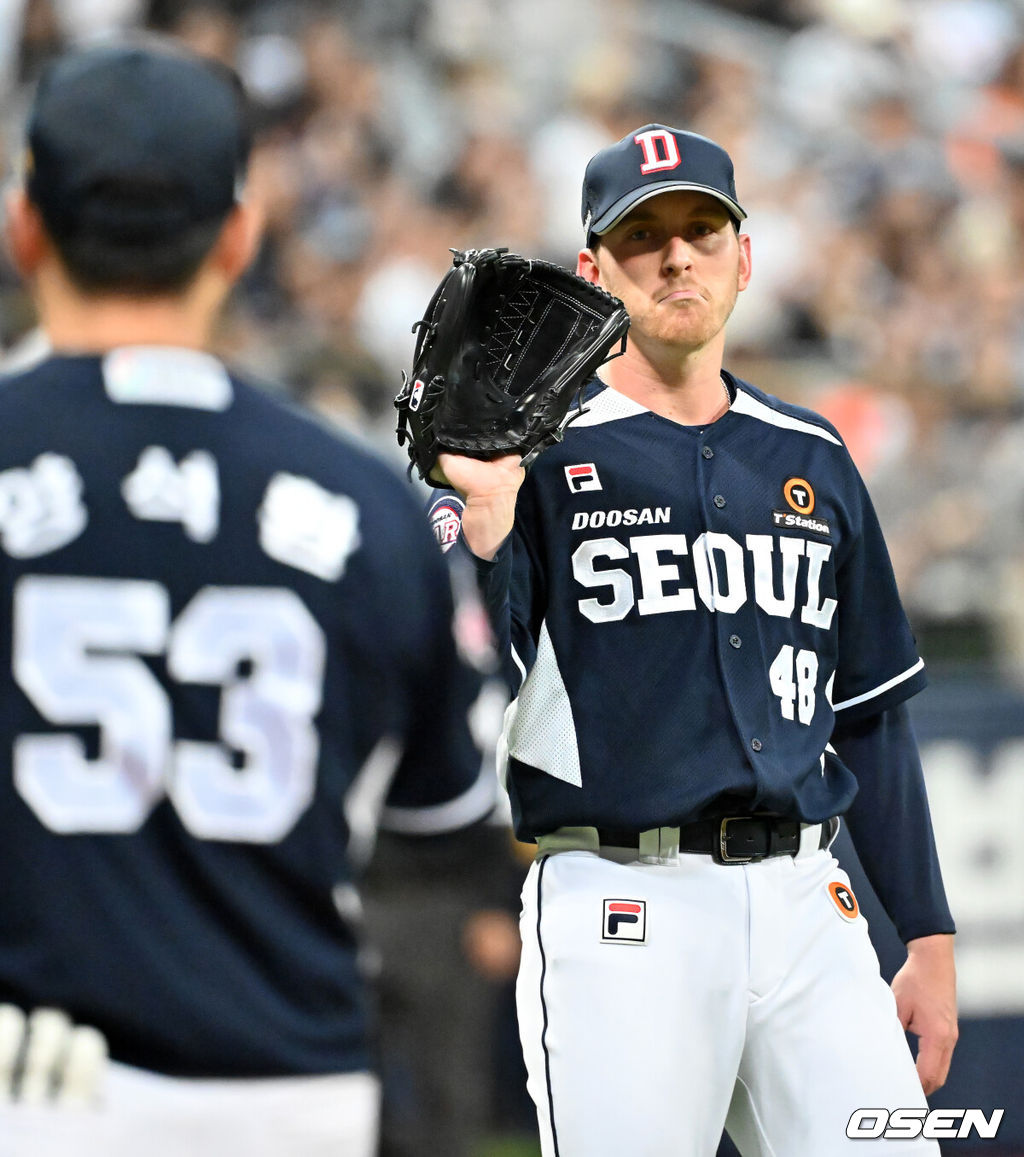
{"points": [[502, 356]]}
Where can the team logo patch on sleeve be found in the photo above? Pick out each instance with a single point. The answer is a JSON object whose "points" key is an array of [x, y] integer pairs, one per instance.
{"points": [[446, 520], [624, 922], [844, 900], [582, 476]]}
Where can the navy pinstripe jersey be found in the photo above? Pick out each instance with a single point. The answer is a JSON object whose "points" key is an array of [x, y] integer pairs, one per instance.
{"points": [[690, 611], [219, 624]]}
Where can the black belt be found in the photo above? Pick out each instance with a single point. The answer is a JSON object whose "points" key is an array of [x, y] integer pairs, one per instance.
{"points": [[730, 839]]}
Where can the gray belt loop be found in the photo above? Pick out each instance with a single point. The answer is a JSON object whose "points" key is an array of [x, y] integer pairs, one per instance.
{"points": [[568, 840], [659, 846]]}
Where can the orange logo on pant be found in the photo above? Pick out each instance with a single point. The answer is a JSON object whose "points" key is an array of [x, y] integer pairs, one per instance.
{"points": [[844, 900]]}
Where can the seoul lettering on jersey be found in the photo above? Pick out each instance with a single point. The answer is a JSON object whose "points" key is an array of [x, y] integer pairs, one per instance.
{"points": [[716, 576]]}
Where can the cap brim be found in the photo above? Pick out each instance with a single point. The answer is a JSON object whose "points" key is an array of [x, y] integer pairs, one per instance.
{"points": [[623, 205]]}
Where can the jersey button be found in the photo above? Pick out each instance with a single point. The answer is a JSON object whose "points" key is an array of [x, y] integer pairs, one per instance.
{"points": [[719, 501], [735, 641], [708, 452], [756, 744]]}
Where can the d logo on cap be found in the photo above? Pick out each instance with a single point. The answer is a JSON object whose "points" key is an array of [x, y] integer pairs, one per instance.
{"points": [[660, 151]]}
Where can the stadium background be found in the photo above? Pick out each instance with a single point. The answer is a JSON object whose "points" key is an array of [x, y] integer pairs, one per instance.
{"points": [[880, 152]]}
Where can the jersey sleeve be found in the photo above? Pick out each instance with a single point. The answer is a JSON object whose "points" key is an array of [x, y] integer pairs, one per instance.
{"points": [[495, 578], [878, 661], [890, 822], [442, 781]]}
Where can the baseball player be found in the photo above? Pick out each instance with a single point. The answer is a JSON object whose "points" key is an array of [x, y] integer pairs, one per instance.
{"points": [[219, 623], [710, 665]]}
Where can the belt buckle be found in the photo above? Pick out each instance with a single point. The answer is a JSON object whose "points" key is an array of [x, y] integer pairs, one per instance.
{"points": [[721, 855]]}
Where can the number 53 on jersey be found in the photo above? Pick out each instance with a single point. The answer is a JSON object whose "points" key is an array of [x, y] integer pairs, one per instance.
{"points": [[78, 656]]}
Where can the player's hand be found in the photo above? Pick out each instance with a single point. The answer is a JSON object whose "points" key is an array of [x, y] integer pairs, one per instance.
{"points": [[925, 991], [47, 1060], [490, 940], [489, 489]]}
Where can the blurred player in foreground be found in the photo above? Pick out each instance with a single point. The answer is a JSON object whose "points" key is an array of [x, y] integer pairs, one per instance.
{"points": [[220, 625], [711, 664]]}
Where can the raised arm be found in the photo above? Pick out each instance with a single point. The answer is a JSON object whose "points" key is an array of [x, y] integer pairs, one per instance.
{"points": [[489, 489]]}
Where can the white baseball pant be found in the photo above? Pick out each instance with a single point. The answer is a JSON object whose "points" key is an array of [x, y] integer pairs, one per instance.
{"points": [[660, 1002], [143, 1114]]}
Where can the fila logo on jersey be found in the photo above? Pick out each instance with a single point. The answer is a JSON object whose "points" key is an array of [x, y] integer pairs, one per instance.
{"points": [[844, 900], [582, 477], [624, 922]]}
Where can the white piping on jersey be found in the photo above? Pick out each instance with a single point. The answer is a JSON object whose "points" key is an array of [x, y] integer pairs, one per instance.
{"points": [[608, 406], [745, 403], [473, 804], [541, 730], [520, 665], [166, 376], [880, 690]]}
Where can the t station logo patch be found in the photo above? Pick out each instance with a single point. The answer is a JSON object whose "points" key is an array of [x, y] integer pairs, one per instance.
{"points": [[799, 496], [624, 922], [844, 900]]}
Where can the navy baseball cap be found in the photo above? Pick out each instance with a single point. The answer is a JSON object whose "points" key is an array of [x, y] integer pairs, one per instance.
{"points": [[653, 159], [135, 141]]}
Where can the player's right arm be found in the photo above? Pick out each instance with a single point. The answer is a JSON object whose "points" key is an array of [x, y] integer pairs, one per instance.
{"points": [[891, 828], [489, 489]]}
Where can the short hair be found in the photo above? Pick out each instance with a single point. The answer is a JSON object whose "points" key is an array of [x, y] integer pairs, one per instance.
{"points": [[96, 262]]}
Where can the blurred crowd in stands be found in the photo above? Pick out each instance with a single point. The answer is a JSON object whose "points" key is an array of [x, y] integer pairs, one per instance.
{"points": [[879, 147], [880, 153]]}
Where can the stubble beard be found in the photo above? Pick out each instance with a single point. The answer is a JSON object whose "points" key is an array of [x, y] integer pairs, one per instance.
{"points": [[687, 325], [691, 324]]}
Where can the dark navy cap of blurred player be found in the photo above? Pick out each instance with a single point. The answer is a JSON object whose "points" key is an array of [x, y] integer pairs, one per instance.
{"points": [[654, 159], [135, 142]]}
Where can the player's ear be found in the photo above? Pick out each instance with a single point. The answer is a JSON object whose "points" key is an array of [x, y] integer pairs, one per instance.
{"points": [[25, 232], [587, 267], [239, 240], [745, 266]]}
